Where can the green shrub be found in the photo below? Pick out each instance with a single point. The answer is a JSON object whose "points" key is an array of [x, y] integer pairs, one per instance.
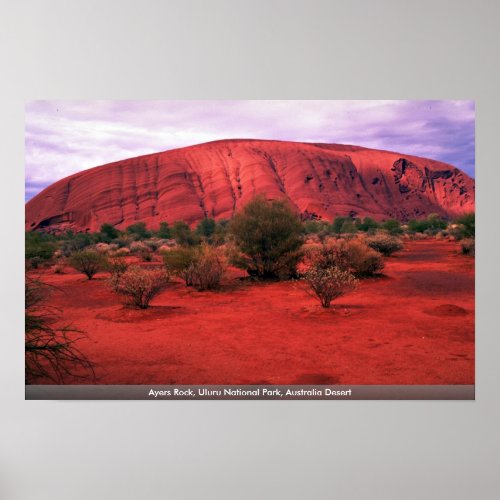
{"points": [[269, 236], [467, 226], [339, 224], [39, 246], [88, 262], [108, 233], [368, 225], [179, 262], [384, 243], [206, 227], [329, 284], [139, 286], [431, 225], [139, 231], [183, 234], [393, 227], [315, 226], [220, 233], [164, 231]]}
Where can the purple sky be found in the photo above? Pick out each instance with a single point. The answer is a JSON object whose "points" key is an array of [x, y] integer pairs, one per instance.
{"points": [[64, 137]]}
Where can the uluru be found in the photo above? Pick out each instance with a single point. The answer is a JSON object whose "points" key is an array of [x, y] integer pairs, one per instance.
{"points": [[215, 179]]}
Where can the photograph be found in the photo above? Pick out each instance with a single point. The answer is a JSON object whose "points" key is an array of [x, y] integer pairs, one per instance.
{"points": [[293, 248]]}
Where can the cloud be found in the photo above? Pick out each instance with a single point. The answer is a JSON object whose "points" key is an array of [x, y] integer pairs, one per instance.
{"points": [[64, 137]]}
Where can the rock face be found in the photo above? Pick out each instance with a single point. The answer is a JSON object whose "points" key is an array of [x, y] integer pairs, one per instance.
{"points": [[217, 178]]}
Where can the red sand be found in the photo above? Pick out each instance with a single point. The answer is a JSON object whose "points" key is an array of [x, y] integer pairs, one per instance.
{"points": [[415, 325]]}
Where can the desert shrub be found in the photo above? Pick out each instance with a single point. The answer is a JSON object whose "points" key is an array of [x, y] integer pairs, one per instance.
{"points": [[88, 262], [50, 351], [348, 227], [337, 224], [325, 255], [153, 243], [329, 284], [142, 250], [220, 233], [393, 227], [368, 225], [183, 234], [139, 286], [468, 247], [362, 259], [431, 225], [349, 255], [164, 248], [104, 248], [466, 226], [179, 262], [268, 235], [315, 226], [206, 227], [124, 240], [207, 269], [75, 242], [384, 243], [121, 252], [58, 269], [116, 266], [164, 231], [343, 225], [138, 231], [39, 246], [108, 233], [138, 246]]}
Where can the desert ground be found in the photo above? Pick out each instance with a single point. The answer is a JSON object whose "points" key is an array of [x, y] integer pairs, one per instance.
{"points": [[412, 325]]}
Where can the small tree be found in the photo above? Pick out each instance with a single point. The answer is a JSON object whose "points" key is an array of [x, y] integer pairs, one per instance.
{"points": [[109, 232], [88, 262], [269, 236], [139, 230], [206, 227], [329, 284], [140, 286], [164, 231]]}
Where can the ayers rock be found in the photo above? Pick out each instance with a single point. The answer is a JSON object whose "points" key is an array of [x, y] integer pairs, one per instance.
{"points": [[217, 178]]}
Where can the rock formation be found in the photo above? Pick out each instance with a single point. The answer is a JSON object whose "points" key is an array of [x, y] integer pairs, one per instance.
{"points": [[217, 178]]}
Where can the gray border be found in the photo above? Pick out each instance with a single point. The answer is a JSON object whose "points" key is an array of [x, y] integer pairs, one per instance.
{"points": [[249, 392], [274, 49]]}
